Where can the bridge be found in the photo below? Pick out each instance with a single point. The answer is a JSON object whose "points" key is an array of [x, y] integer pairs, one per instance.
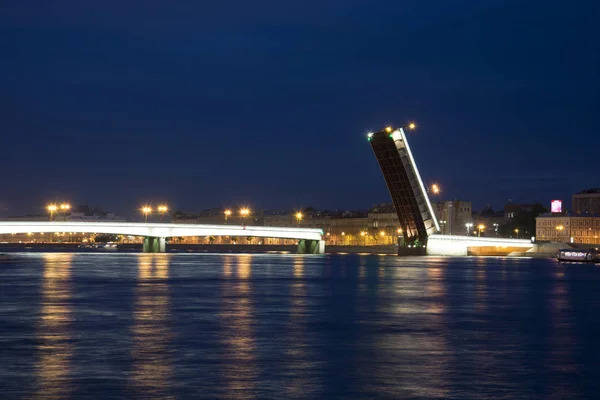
{"points": [[419, 225], [415, 213], [453, 245], [310, 241]]}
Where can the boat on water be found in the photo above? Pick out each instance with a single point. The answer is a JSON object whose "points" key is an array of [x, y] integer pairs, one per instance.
{"points": [[581, 255]]}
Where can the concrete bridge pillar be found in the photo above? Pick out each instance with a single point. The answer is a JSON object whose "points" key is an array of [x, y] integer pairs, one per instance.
{"points": [[306, 246], [154, 244]]}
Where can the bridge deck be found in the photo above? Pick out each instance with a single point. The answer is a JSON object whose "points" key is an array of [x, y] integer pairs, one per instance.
{"points": [[159, 229]]}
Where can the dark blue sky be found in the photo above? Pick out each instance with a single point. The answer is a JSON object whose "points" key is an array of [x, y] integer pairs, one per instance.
{"points": [[267, 103]]}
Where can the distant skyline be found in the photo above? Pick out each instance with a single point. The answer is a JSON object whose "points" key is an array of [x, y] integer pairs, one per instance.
{"points": [[268, 104]]}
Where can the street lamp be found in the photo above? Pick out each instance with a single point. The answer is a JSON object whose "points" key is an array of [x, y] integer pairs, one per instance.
{"points": [[227, 214], [146, 210], [299, 217], [64, 207], [468, 225], [244, 212], [559, 230], [481, 227], [51, 209], [435, 189], [517, 232], [162, 209]]}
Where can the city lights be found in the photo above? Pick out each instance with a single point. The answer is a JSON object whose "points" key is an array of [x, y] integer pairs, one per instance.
{"points": [[227, 214], [435, 189], [162, 210], [244, 212], [51, 209], [146, 210], [412, 126], [388, 129], [299, 217], [480, 229]]}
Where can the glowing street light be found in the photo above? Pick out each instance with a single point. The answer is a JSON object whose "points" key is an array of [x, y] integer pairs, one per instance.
{"points": [[51, 209], [388, 129], [399, 231], [469, 226], [435, 189], [480, 229], [64, 208], [227, 214], [382, 233], [412, 126], [146, 210], [244, 212], [517, 232], [299, 217], [162, 210]]}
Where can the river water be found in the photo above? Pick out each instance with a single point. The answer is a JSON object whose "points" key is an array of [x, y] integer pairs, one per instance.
{"points": [[186, 326]]}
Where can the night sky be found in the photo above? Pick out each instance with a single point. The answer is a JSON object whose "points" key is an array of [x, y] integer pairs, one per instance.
{"points": [[267, 103]]}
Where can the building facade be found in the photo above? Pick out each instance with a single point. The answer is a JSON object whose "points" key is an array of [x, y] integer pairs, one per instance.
{"points": [[587, 202], [568, 229], [453, 216]]}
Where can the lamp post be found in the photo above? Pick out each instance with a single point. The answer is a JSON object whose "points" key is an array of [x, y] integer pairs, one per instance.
{"points": [[468, 225], [244, 212], [480, 229], [146, 210], [517, 232], [559, 230], [299, 217], [65, 207], [52, 209], [162, 209], [227, 214]]}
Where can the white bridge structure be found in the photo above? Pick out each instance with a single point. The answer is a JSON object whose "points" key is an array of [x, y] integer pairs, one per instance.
{"points": [[454, 245], [309, 240]]}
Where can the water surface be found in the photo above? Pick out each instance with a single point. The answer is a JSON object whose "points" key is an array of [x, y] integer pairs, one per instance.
{"points": [[178, 326]]}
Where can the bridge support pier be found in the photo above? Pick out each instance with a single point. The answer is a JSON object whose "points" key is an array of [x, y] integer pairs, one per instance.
{"points": [[306, 246], [154, 244]]}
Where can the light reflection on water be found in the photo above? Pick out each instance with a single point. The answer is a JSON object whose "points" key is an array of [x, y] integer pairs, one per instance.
{"points": [[54, 330], [237, 319], [287, 326], [152, 371]]}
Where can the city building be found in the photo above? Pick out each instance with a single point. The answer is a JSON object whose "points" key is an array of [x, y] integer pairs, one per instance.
{"points": [[587, 202], [568, 228], [453, 216]]}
